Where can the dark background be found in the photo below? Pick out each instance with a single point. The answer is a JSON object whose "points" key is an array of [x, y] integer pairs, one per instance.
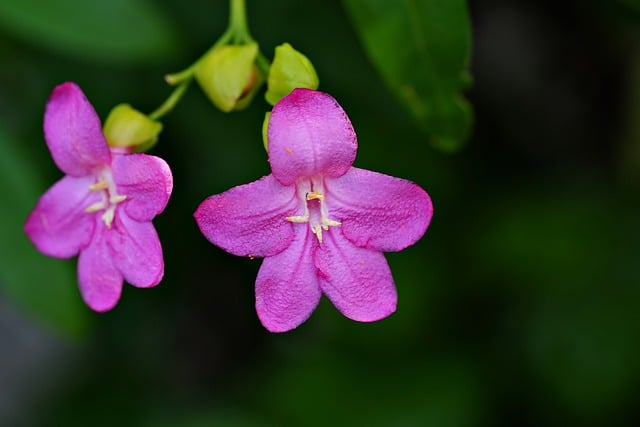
{"points": [[519, 307]]}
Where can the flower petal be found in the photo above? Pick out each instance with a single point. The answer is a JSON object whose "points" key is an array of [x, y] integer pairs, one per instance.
{"points": [[309, 133], [287, 288], [100, 281], [59, 226], [356, 280], [136, 251], [378, 211], [250, 220], [145, 180], [73, 132]]}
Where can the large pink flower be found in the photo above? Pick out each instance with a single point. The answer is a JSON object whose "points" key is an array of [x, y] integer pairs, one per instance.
{"points": [[102, 208], [320, 223]]}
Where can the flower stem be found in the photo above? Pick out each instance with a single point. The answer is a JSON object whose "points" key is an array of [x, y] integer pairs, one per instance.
{"points": [[171, 101], [237, 32], [238, 21]]}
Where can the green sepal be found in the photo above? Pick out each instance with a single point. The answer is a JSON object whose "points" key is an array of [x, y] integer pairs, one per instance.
{"points": [[128, 128], [290, 70], [265, 128], [229, 77]]}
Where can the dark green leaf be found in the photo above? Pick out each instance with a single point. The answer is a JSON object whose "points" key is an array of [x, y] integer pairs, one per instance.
{"points": [[421, 48], [123, 31], [45, 287]]}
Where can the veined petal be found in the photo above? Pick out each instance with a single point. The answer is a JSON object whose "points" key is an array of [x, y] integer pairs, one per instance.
{"points": [[309, 133], [378, 211], [287, 288], [59, 226], [250, 220], [136, 251], [357, 280], [100, 281], [73, 132], [145, 180]]}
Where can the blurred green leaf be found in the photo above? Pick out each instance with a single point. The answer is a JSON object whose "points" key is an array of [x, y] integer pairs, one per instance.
{"points": [[44, 286], [123, 31], [635, 4], [583, 349], [421, 48], [366, 392]]}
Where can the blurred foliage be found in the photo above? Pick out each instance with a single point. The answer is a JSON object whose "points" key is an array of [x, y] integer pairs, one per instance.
{"points": [[421, 48], [518, 307], [117, 31]]}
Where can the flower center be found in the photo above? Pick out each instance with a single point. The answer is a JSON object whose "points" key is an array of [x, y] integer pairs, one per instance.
{"points": [[110, 198], [311, 194]]}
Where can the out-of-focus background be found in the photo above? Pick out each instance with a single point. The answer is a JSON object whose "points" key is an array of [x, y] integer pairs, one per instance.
{"points": [[519, 307]]}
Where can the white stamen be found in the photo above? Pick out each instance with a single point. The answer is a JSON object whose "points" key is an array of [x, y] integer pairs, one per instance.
{"points": [[313, 190], [110, 198]]}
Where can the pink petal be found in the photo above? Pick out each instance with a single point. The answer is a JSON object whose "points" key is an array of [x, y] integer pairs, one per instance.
{"points": [[100, 281], [378, 211], [73, 132], [58, 226], [309, 133], [287, 288], [249, 220], [136, 251], [356, 280], [145, 180]]}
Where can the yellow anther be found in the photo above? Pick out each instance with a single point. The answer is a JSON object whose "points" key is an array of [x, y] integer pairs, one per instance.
{"points": [[326, 223], [300, 218], [95, 207], [312, 195], [107, 217], [117, 199], [317, 230], [100, 185]]}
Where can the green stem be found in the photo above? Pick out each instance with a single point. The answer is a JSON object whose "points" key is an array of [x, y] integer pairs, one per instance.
{"points": [[263, 63], [238, 22], [171, 101]]}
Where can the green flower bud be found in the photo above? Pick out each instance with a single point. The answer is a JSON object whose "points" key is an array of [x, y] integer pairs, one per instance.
{"points": [[229, 77], [290, 70], [265, 128], [128, 128]]}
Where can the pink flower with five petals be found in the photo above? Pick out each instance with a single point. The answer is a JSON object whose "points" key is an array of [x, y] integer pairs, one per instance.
{"points": [[102, 208], [320, 223]]}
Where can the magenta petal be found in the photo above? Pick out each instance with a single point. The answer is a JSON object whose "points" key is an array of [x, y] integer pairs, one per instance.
{"points": [[73, 132], [378, 211], [356, 280], [249, 220], [287, 288], [309, 133], [145, 180], [136, 251], [58, 226], [100, 281]]}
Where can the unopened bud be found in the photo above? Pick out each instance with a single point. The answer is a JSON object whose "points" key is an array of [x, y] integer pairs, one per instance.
{"points": [[128, 128], [290, 70], [229, 77]]}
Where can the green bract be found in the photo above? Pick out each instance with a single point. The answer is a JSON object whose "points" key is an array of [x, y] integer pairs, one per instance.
{"points": [[127, 127], [265, 128], [229, 77], [290, 70]]}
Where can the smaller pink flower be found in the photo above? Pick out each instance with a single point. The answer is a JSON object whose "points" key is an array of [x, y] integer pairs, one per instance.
{"points": [[102, 208], [320, 223]]}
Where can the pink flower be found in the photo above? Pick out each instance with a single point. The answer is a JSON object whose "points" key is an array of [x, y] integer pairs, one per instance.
{"points": [[102, 208], [320, 223]]}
